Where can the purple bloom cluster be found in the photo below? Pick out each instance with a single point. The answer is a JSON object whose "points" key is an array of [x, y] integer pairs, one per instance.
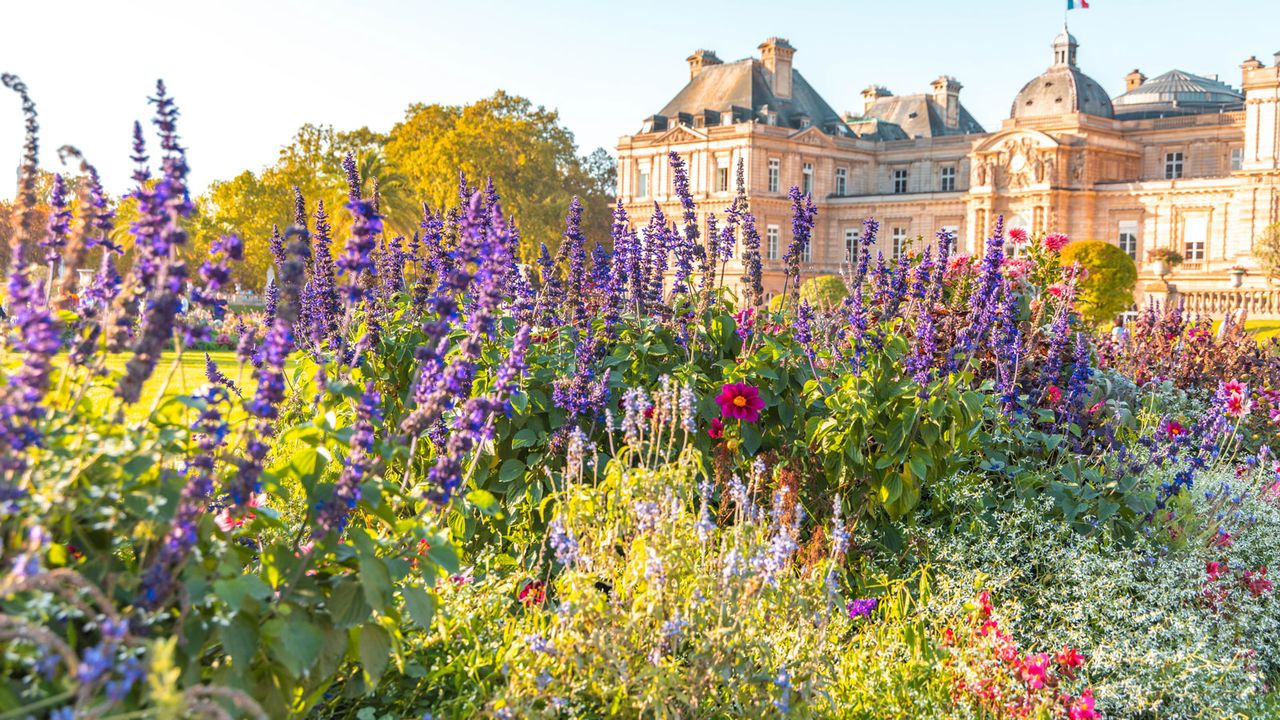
{"points": [[803, 214], [685, 246], [160, 578], [332, 515]]}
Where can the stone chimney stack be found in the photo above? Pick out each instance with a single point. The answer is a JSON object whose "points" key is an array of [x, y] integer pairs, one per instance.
{"points": [[946, 93], [776, 54], [871, 94], [1133, 80], [701, 59]]}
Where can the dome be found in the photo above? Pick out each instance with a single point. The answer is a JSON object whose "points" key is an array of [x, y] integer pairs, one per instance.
{"points": [[1062, 89], [1177, 93]]}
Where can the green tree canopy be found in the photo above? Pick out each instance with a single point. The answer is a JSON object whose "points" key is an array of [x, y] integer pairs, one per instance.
{"points": [[1108, 287], [524, 148]]}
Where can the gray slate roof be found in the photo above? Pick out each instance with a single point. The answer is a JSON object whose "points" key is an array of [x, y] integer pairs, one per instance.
{"points": [[743, 88], [1177, 93], [912, 116]]}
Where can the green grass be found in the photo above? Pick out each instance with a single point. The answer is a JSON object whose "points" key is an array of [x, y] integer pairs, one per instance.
{"points": [[1262, 330], [181, 378]]}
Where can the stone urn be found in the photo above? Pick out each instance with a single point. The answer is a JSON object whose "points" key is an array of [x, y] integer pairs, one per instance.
{"points": [[1160, 268], [1237, 276]]}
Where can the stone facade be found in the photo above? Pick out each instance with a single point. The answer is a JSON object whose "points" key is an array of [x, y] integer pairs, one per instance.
{"points": [[1180, 161]]}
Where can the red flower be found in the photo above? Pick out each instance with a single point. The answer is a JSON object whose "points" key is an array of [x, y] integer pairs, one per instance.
{"points": [[1173, 428], [1257, 581], [739, 401], [984, 603], [716, 431], [1053, 395], [1082, 708], [1056, 241], [1213, 569], [1035, 668], [1018, 236], [1068, 659], [533, 593]]}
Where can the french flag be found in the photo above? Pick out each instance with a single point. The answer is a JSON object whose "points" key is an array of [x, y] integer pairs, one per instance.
{"points": [[1083, 4]]}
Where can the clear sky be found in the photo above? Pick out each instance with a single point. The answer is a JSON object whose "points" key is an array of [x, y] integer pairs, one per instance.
{"points": [[247, 73]]}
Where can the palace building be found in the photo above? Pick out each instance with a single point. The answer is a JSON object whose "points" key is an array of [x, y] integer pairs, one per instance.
{"points": [[1177, 161]]}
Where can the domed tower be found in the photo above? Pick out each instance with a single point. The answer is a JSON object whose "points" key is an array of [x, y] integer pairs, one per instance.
{"points": [[1062, 89]]}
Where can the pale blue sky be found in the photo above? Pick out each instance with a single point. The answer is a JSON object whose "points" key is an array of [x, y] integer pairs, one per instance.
{"points": [[247, 74]]}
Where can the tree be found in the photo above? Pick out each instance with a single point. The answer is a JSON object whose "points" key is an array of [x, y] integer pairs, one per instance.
{"points": [[528, 153], [1107, 288], [823, 291], [1267, 250]]}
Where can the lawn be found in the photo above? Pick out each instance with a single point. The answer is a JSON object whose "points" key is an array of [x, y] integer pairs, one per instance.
{"points": [[181, 378]]}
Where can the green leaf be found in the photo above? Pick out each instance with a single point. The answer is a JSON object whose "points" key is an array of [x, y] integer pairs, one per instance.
{"points": [[421, 605], [375, 650], [519, 402], [295, 643], [347, 605], [240, 640], [527, 437], [484, 501], [511, 470], [750, 438], [234, 591], [376, 581]]}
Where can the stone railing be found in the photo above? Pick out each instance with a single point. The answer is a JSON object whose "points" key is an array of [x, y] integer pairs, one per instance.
{"points": [[1258, 303]]}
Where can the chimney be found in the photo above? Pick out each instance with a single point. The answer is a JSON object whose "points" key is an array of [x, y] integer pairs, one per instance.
{"points": [[701, 59], [946, 93], [871, 94], [1133, 80], [776, 54]]}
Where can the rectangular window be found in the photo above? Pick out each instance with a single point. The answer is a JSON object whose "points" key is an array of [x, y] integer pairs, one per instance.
{"points": [[1195, 231], [851, 237], [1172, 165], [899, 242], [948, 179], [899, 181], [642, 184], [1237, 158], [722, 175], [808, 179], [1127, 237], [775, 174], [807, 255], [771, 249], [842, 181]]}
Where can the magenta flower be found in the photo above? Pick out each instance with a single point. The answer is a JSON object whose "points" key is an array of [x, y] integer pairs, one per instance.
{"points": [[1055, 241], [739, 401], [716, 431], [862, 607]]}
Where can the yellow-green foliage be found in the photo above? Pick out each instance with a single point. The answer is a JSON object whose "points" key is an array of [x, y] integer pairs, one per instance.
{"points": [[1108, 287], [824, 291]]}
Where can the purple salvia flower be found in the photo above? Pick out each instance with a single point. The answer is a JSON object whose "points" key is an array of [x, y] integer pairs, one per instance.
{"points": [[35, 340], [1008, 351], [655, 249], [332, 514], [357, 262], [752, 272], [353, 177], [59, 225], [803, 214], [161, 577], [686, 247], [804, 328], [216, 376], [324, 307], [573, 253]]}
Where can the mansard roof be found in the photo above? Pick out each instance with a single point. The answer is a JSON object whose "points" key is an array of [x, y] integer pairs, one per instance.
{"points": [[901, 117], [1177, 93], [741, 89]]}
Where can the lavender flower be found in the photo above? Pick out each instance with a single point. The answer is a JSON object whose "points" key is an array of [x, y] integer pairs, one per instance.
{"points": [[803, 213], [686, 247]]}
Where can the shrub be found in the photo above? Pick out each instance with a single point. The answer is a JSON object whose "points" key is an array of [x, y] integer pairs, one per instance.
{"points": [[1107, 289], [824, 291]]}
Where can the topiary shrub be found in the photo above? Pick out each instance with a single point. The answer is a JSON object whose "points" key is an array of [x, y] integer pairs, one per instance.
{"points": [[824, 291], [1107, 289]]}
